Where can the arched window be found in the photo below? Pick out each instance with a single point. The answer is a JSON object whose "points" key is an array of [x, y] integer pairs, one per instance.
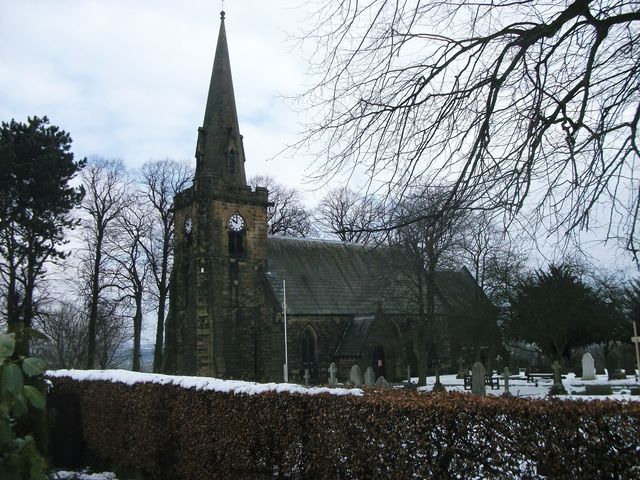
{"points": [[308, 348], [231, 160]]}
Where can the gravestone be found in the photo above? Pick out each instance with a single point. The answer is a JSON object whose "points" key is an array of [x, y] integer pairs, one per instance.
{"points": [[477, 379], [369, 377], [306, 377], [438, 386], [505, 377], [557, 388], [382, 383], [588, 367], [355, 375], [333, 380], [461, 370]]}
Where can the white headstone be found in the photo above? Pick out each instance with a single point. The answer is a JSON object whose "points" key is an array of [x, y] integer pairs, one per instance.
{"points": [[333, 380], [382, 383], [355, 375], [369, 377], [588, 367]]}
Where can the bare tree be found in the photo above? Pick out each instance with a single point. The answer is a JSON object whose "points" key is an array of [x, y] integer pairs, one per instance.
{"points": [[529, 107], [286, 215], [126, 250], [113, 333], [63, 329], [431, 235], [106, 196], [351, 217], [159, 182]]}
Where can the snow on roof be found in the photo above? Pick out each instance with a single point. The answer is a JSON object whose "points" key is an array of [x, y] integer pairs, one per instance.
{"points": [[199, 383]]}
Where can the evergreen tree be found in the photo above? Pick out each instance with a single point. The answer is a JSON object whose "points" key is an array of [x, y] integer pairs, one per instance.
{"points": [[555, 310], [36, 199]]}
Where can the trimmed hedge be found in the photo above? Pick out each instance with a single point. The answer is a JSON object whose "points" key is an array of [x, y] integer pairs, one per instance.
{"points": [[168, 432]]}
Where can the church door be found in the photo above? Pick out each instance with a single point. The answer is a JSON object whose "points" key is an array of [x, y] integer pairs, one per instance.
{"points": [[378, 362]]}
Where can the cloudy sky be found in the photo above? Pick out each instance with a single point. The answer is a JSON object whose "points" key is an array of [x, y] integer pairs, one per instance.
{"points": [[129, 79]]}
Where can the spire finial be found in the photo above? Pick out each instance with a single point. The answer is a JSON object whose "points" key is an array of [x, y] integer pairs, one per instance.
{"points": [[222, 10], [222, 15]]}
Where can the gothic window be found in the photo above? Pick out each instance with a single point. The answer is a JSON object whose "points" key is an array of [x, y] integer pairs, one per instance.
{"points": [[308, 348], [231, 160]]}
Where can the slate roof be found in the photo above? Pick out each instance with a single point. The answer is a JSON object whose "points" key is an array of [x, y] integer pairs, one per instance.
{"points": [[324, 277], [335, 278], [459, 289]]}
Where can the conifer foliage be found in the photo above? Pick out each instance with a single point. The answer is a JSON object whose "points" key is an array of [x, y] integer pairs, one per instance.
{"points": [[35, 203]]}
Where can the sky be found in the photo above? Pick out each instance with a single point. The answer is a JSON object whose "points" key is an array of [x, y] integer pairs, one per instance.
{"points": [[129, 79]]}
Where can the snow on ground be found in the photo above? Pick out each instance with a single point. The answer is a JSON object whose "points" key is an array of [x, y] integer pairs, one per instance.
{"points": [[66, 475], [518, 384], [198, 383], [575, 386]]}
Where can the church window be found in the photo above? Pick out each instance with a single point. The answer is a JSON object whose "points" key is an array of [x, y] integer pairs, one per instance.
{"points": [[231, 160], [308, 348]]}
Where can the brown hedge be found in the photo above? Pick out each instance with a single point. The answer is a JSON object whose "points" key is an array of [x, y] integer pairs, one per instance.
{"points": [[168, 432]]}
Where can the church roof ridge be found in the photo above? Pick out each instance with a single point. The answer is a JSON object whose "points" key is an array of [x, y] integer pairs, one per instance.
{"points": [[318, 240]]}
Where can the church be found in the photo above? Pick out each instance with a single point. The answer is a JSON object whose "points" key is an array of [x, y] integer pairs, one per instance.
{"points": [[345, 303]]}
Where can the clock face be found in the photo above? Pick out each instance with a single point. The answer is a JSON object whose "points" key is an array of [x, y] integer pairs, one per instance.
{"points": [[236, 223], [188, 225]]}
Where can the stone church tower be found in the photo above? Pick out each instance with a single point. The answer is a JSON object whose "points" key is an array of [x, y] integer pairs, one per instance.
{"points": [[347, 304], [217, 307]]}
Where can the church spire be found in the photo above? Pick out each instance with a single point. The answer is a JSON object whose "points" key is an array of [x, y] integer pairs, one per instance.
{"points": [[219, 150]]}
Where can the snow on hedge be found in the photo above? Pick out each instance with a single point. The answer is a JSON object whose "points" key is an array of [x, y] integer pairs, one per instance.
{"points": [[198, 383]]}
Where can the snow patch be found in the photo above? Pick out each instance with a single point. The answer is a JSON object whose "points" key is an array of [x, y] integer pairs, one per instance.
{"points": [[198, 383]]}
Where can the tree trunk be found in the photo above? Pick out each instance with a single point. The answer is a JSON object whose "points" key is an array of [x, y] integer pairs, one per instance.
{"points": [[137, 332], [169, 358], [162, 301], [95, 296]]}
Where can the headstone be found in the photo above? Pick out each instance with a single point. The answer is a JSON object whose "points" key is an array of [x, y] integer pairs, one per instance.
{"points": [[505, 377], [477, 379], [355, 375], [588, 367], [333, 380], [557, 388], [382, 383], [438, 387], [306, 377], [461, 369], [369, 377]]}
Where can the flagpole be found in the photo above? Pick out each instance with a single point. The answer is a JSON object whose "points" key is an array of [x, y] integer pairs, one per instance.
{"points": [[284, 308], [636, 340]]}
